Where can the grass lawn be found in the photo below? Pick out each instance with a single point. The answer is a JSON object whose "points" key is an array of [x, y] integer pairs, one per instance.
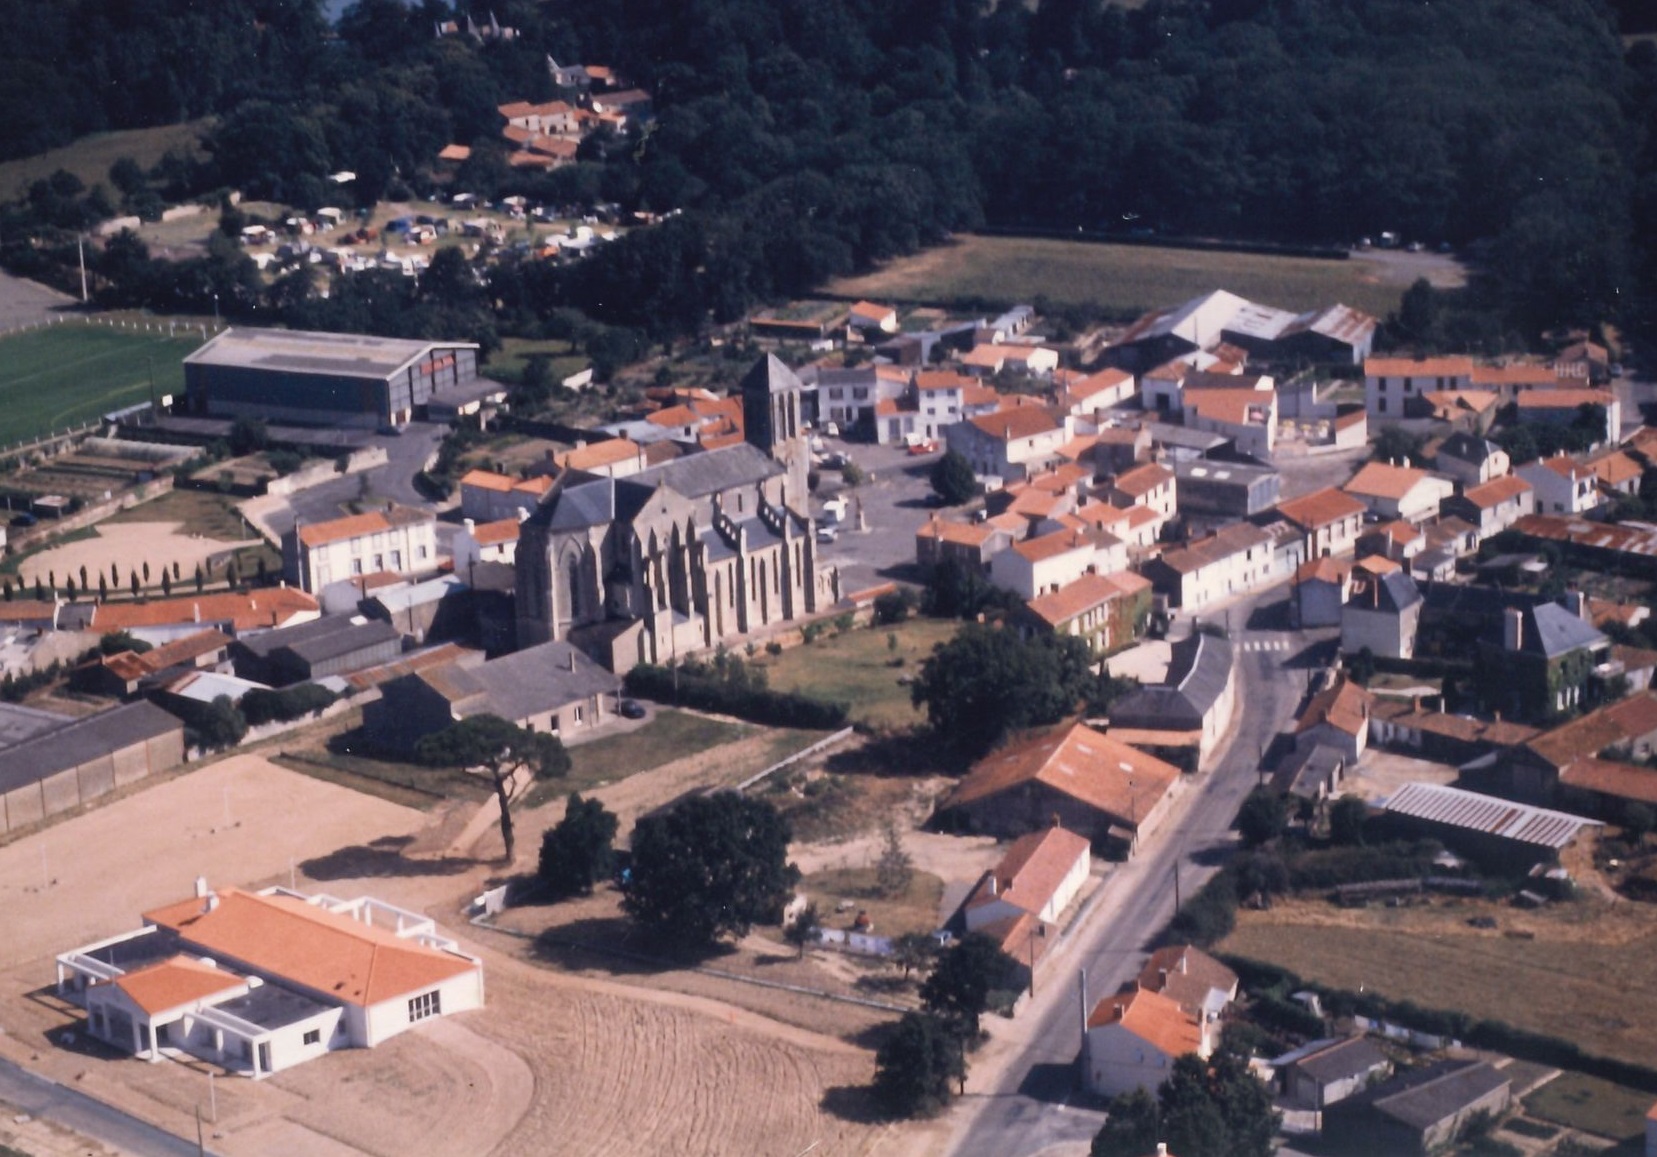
{"points": [[90, 157], [913, 910], [671, 735], [1121, 279], [56, 377], [507, 363], [856, 669], [1582, 1102], [1589, 976]]}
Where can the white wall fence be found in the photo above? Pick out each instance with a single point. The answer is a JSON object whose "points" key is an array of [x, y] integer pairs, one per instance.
{"points": [[857, 943]]}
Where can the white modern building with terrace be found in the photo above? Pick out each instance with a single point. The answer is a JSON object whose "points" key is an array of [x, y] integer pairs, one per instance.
{"points": [[261, 981]]}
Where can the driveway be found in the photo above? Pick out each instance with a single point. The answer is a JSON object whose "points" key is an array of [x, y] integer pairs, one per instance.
{"points": [[394, 481]]}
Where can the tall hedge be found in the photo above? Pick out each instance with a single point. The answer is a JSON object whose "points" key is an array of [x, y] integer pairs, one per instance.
{"points": [[756, 704]]}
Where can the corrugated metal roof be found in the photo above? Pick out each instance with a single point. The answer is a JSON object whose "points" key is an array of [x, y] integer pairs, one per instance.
{"points": [[1488, 814]]}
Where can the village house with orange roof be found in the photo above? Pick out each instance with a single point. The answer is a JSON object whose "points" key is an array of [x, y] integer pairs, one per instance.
{"points": [[1049, 562], [968, 544], [481, 542], [486, 496], [1093, 784], [1562, 485], [1328, 519], [1092, 395], [1404, 492], [1022, 897], [994, 358], [867, 317], [1395, 387], [1106, 611], [159, 621], [1554, 407], [1134, 1038], [1232, 560], [398, 540], [259, 982], [1010, 444], [1493, 506], [1246, 416], [611, 457], [1152, 485]]}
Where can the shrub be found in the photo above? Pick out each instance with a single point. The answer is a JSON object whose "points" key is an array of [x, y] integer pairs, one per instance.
{"points": [[262, 706]]}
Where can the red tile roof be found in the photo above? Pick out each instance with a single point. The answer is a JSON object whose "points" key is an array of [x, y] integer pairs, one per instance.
{"points": [[1151, 1017], [173, 983], [1446, 367], [1320, 508], [1488, 495], [302, 943], [357, 525], [1382, 480], [1099, 771], [1022, 422], [1029, 875], [1091, 590], [270, 607]]}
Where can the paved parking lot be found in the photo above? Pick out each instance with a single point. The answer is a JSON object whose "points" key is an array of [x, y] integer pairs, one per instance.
{"points": [[894, 505]]}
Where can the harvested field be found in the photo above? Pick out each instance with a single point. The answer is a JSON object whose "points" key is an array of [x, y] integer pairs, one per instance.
{"points": [[1586, 972], [1127, 279]]}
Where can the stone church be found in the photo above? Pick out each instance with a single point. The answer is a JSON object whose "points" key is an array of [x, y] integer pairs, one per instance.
{"points": [[677, 558]]}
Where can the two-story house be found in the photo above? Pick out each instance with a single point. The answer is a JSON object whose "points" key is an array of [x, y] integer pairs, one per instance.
{"points": [[396, 540], [1394, 492], [1393, 387], [1562, 485], [1493, 506], [1329, 521], [1010, 444]]}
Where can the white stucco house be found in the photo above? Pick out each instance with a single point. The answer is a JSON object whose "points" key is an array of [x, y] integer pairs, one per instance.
{"points": [[396, 540], [1134, 1038], [262, 981]]}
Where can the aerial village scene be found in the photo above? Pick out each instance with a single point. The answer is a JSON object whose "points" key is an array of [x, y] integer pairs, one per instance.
{"points": [[1065, 579]]}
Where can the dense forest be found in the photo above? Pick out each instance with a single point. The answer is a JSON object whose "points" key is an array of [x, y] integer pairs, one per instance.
{"points": [[807, 138]]}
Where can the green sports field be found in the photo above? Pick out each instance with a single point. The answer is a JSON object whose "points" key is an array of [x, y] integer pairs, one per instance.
{"points": [[65, 374]]}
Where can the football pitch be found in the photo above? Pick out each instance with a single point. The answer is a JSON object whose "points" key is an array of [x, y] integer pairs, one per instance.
{"points": [[59, 376]]}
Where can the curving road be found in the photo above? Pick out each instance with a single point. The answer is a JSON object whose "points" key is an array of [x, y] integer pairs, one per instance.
{"points": [[85, 1115], [1026, 1110]]}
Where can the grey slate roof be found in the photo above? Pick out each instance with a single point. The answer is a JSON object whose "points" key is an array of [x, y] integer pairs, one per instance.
{"points": [[1398, 592], [1558, 632], [321, 639], [699, 475], [1341, 1060], [1436, 1093], [1467, 448], [771, 376], [18, 723], [582, 505], [1308, 769], [524, 683], [1199, 668], [81, 741]]}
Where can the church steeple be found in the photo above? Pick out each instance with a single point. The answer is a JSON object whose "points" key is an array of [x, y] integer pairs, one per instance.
{"points": [[771, 402]]}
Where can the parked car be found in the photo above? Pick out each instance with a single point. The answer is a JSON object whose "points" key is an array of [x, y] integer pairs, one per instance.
{"points": [[924, 446], [836, 461], [827, 534], [24, 519], [632, 709]]}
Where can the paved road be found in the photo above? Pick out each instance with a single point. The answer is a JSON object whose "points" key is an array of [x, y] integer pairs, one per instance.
{"points": [[1026, 1111], [395, 480], [92, 1118]]}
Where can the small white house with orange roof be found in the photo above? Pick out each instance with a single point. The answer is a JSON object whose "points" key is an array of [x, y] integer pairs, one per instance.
{"points": [[994, 358], [1562, 485], [261, 981], [870, 317], [1049, 562], [1134, 1038], [1040, 874], [612, 457], [1090, 396], [477, 542], [1151, 484], [1399, 491], [1010, 444]]}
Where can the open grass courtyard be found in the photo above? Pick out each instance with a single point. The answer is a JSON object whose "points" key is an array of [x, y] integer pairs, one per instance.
{"points": [[861, 668]]}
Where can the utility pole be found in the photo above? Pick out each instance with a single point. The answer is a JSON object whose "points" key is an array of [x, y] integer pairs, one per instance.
{"points": [[80, 244]]}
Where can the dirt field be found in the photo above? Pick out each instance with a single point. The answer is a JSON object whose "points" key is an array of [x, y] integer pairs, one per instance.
{"points": [[1585, 971], [23, 302], [130, 545], [606, 1060]]}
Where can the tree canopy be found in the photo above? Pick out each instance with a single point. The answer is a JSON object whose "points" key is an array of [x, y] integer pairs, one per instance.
{"points": [[962, 979], [710, 866], [952, 479], [578, 851], [512, 755], [987, 682], [915, 1065]]}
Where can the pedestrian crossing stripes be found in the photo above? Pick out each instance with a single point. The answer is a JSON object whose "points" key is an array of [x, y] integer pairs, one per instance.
{"points": [[1265, 645]]}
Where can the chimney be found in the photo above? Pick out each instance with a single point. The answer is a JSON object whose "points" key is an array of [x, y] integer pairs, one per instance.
{"points": [[1513, 628], [470, 524], [201, 887], [209, 903], [995, 889], [1162, 1149], [571, 658], [1577, 603]]}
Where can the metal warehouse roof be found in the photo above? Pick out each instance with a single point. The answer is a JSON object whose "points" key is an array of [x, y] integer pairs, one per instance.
{"points": [[1488, 814], [304, 352]]}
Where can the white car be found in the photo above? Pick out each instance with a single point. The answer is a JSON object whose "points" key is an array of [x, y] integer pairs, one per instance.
{"points": [[827, 534]]}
